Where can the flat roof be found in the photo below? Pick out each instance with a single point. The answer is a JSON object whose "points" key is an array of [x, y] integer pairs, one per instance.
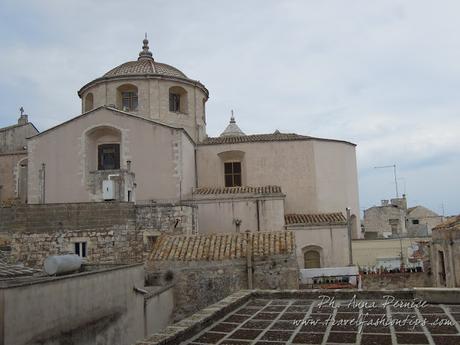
{"points": [[294, 318]]}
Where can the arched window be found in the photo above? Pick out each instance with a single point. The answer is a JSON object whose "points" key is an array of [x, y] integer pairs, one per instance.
{"points": [[178, 102], [89, 102], [312, 259], [103, 146], [127, 99]]}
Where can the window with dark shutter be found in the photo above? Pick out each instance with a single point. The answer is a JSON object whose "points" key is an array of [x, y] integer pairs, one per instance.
{"points": [[232, 172], [108, 157], [174, 102], [80, 249]]}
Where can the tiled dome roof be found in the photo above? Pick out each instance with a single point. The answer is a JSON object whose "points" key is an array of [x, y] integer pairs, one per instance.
{"points": [[144, 66]]}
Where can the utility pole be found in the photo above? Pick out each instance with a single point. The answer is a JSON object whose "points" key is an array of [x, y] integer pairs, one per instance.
{"points": [[350, 245], [394, 171]]}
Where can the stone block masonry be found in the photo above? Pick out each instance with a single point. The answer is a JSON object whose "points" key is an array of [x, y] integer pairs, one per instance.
{"points": [[112, 232]]}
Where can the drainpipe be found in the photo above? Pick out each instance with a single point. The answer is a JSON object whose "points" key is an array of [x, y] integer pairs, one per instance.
{"points": [[43, 182], [350, 249], [249, 258], [258, 215]]}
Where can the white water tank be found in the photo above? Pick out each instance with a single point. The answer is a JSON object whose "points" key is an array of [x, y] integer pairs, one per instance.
{"points": [[59, 264]]}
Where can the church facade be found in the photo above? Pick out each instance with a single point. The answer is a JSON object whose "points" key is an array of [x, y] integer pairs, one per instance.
{"points": [[142, 138]]}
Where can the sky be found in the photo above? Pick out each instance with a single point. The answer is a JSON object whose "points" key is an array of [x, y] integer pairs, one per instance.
{"points": [[382, 74]]}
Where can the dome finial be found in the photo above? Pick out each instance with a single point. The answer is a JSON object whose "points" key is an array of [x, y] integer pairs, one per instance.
{"points": [[145, 53], [232, 129]]}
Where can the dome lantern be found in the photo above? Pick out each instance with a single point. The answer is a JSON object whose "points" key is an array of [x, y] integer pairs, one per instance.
{"points": [[145, 53]]}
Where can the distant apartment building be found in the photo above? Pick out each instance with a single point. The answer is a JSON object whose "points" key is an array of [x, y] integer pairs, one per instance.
{"points": [[394, 219]]}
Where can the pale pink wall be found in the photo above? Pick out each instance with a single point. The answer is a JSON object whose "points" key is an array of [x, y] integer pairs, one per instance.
{"points": [[337, 179], [218, 215], [150, 148], [317, 176], [332, 241], [287, 164]]}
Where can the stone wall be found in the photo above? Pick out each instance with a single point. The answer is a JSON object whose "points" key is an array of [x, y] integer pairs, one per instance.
{"points": [[167, 218], [114, 232], [395, 280], [198, 284], [62, 217]]}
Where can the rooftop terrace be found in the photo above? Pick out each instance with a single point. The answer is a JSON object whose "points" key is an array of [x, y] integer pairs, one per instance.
{"points": [[305, 317]]}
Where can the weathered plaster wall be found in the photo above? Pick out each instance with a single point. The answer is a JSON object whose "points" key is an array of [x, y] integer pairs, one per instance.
{"points": [[9, 174], [446, 243], [13, 138], [316, 176], [76, 309], [219, 214], [330, 241], [377, 220], [366, 252], [152, 149], [159, 307]]}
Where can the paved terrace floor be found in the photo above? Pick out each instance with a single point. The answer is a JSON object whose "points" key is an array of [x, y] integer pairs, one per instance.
{"points": [[263, 321]]}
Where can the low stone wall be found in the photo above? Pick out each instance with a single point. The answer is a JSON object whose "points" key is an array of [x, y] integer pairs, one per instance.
{"points": [[197, 284], [119, 245], [58, 217], [167, 218], [395, 280], [114, 232]]}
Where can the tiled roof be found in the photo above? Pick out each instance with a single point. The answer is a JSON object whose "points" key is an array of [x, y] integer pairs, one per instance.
{"points": [[253, 138], [211, 247], [450, 223], [142, 67], [10, 271], [237, 190], [315, 219]]}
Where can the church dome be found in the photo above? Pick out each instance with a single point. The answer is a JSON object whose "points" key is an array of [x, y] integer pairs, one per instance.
{"points": [[144, 65]]}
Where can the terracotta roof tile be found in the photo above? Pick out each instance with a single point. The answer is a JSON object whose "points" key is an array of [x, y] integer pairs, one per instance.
{"points": [[450, 223], [315, 219], [253, 138], [10, 271], [237, 190], [211, 247], [143, 67]]}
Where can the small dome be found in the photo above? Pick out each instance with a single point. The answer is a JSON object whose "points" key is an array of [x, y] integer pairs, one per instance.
{"points": [[232, 129]]}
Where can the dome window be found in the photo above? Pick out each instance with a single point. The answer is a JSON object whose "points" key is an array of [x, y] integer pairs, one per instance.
{"points": [[127, 98], [178, 100]]}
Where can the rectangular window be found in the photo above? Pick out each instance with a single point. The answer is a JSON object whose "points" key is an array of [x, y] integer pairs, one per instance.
{"points": [[129, 100], [80, 249], [151, 240], [232, 172], [174, 102], [108, 157], [415, 221]]}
